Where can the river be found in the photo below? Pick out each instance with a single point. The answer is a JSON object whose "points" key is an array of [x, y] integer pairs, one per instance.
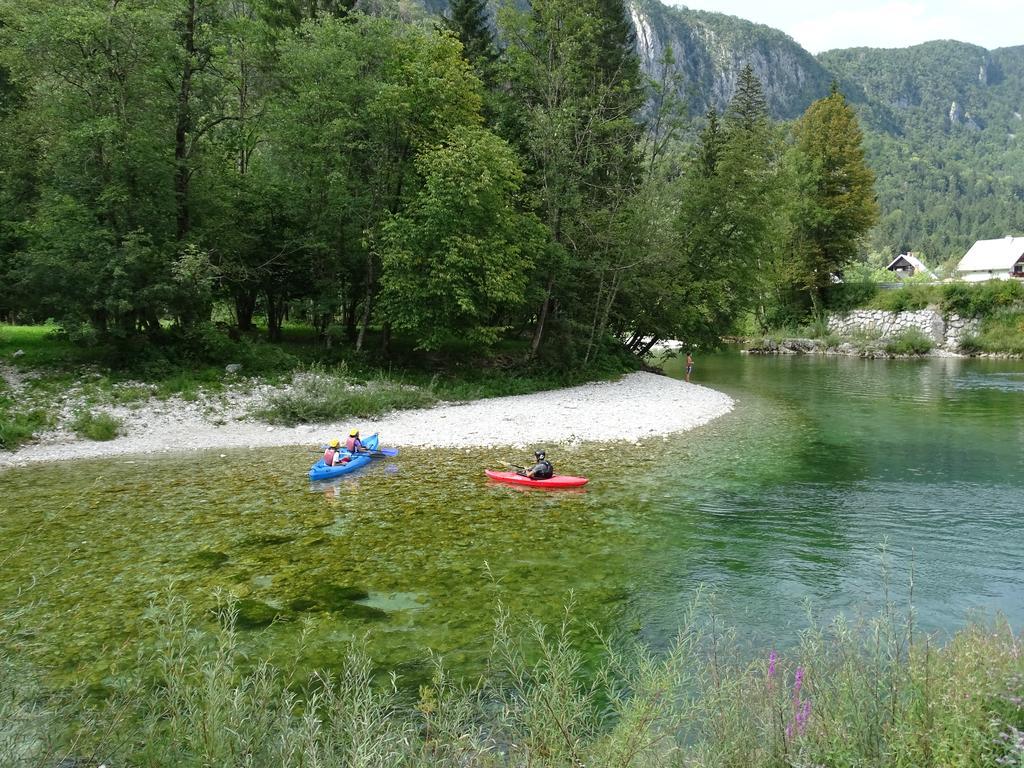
{"points": [[785, 503]]}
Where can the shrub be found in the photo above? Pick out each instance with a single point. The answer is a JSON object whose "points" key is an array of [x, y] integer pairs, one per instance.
{"points": [[910, 342], [96, 426], [843, 297], [318, 396], [907, 298], [18, 427], [980, 299]]}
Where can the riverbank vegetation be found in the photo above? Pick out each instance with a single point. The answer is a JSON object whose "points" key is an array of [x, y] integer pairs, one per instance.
{"points": [[875, 691], [996, 306], [181, 178]]}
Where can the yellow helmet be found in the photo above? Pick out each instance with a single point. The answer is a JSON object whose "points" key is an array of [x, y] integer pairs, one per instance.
{"points": [[334, 443], [354, 433]]}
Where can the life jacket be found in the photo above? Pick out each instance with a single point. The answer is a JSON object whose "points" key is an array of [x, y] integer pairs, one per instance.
{"points": [[329, 457], [352, 444], [545, 471]]}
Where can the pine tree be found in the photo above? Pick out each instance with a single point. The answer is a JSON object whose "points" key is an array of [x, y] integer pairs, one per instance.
{"points": [[709, 146], [470, 22], [748, 109], [835, 202]]}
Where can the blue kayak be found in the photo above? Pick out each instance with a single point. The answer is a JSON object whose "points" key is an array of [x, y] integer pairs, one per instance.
{"points": [[321, 471]]}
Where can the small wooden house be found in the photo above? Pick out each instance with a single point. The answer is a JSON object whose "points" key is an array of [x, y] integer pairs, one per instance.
{"points": [[908, 265], [1001, 259]]}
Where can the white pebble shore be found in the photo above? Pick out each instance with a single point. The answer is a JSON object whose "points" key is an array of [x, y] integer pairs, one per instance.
{"points": [[637, 406]]}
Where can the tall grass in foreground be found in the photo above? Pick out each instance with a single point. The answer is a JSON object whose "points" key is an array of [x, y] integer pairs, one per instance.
{"points": [[870, 693]]}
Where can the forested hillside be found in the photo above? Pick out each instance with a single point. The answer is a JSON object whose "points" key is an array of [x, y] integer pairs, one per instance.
{"points": [[945, 137]]}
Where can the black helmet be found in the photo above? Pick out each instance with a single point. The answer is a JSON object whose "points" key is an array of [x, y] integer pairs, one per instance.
{"points": [[539, 455]]}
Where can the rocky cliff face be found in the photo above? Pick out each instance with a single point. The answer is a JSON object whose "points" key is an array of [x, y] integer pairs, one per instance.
{"points": [[710, 50]]}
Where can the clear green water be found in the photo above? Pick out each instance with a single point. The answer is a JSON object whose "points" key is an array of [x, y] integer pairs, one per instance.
{"points": [[787, 498]]}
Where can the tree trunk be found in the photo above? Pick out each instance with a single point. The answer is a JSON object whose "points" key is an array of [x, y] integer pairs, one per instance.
{"points": [[538, 333], [274, 316], [245, 307], [364, 322], [183, 123]]}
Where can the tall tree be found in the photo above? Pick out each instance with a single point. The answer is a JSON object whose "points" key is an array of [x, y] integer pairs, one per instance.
{"points": [[834, 206], [470, 21], [577, 82], [366, 97], [456, 261]]}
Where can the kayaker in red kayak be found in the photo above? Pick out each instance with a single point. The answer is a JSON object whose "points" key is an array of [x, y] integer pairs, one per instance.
{"points": [[542, 470]]}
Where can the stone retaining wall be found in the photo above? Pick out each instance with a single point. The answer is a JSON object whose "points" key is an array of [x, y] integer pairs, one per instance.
{"points": [[945, 332]]}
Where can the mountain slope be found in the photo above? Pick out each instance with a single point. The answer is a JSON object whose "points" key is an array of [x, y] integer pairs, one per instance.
{"points": [[946, 140]]}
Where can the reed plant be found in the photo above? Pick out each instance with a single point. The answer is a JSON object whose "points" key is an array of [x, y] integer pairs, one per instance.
{"points": [[874, 691]]}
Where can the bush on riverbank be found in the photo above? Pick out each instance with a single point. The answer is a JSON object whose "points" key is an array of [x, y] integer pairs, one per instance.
{"points": [[877, 692], [17, 423], [320, 395], [96, 426], [911, 342], [1000, 332]]}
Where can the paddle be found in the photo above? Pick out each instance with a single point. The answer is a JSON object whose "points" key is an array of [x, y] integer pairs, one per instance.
{"points": [[375, 453], [516, 467]]}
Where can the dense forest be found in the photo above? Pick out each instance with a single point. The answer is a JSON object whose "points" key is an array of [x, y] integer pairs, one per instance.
{"points": [[390, 177]]}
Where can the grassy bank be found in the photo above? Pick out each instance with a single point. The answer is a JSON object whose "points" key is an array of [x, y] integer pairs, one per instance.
{"points": [[872, 693], [310, 382]]}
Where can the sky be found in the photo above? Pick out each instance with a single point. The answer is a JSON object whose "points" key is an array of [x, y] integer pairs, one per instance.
{"points": [[819, 26]]}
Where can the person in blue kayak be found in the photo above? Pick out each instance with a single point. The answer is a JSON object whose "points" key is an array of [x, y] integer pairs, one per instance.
{"points": [[542, 470], [354, 444], [334, 455]]}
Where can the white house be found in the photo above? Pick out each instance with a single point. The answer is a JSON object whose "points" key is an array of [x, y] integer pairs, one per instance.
{"points": [[908, 265], [1001, 259]]}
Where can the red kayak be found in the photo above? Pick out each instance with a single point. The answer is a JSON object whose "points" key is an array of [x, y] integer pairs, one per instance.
{"points": [[558, 481]]}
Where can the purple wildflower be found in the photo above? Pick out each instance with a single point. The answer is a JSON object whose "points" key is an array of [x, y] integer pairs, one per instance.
{"points": [[772, 658], [798, 682], [802, 716]]}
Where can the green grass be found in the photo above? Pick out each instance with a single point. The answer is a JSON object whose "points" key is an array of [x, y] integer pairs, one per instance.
{"points": [[43, 347], [910, 342], [1002, 332], [877, 692], [96, 426], [19, 422], [192, 365]]}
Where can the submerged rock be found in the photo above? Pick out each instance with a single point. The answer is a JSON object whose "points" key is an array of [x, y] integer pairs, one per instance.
{"points": [[269, 540], [210, 558], [363, 612], [255, 613], [337, 598]]}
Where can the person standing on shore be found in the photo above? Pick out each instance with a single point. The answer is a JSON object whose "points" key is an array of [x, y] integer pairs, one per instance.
{"points": [[689, 365]]}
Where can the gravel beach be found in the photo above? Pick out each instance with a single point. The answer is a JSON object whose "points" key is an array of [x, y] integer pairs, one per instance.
{"points": [[637, 406]]}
